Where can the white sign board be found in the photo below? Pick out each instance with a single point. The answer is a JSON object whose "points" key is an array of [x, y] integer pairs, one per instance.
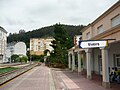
{"points": [[92, 44]]}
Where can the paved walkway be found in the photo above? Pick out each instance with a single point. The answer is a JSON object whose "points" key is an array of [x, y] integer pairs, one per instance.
{"points": [[43, 78], [75, 81], [39, 78]]}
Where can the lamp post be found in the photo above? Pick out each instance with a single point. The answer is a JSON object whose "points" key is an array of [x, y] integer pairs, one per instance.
{"points": [[29, 54]]}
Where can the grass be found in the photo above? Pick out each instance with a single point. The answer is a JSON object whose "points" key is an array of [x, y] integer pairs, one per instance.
{"points": [[7, 69]]}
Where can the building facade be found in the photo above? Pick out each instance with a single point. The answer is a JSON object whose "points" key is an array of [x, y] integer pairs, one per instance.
{"points": [[3, 41], [39, 45], [100, 60], [18, 48]]}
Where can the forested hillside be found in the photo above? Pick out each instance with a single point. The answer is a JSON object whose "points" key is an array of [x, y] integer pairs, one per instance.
{"points": [[43, 32]]}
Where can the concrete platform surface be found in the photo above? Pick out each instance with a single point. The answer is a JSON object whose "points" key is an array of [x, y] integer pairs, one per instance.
{"points": [[75, 81], [44, 78], [39, 78]]}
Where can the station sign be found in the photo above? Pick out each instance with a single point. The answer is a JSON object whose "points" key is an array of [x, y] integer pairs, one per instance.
{"points": [[93, 44]]}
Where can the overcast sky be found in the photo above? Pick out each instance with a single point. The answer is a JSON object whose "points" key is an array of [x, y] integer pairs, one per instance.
{"points": [[34, 14]]}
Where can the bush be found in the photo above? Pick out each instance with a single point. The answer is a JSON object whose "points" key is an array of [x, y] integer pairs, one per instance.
{"points": [[14, 58], [22, 59], [37, 58]]}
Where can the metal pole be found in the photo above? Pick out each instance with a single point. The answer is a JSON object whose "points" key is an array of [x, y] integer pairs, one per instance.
{"points": [[30, 56]]}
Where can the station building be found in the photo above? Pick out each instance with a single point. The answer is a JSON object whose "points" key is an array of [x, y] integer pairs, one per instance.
{"points": [[99, 60]]}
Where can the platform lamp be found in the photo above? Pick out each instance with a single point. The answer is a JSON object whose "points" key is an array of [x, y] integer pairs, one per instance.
{"points": [[29, 54]]}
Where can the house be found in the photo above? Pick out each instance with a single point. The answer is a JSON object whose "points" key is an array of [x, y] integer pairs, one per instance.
{"points": [[3, 41], [39, 45], [18, 48], [96, 58]]}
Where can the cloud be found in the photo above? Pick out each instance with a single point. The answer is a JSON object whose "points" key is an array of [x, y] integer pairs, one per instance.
{"points": [[33, 14]]}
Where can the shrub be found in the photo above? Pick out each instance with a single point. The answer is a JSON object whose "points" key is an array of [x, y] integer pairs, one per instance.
{"points": [[14, 58], [24, 59]]}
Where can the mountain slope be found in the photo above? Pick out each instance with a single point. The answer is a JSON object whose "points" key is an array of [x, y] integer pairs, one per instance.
{"points": [[42, 33]]}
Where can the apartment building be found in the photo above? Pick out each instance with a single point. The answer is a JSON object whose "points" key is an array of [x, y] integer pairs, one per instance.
{"points": [[39, 45], [3, 41], [100, 60], [18, 48]]}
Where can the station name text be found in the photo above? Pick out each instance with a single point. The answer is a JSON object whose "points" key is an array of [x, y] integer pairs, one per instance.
{"points": [[93, 44]]}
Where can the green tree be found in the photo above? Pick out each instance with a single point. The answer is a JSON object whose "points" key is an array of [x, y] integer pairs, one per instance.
{"points": [[61, 43], [14, 58], [46, 51], [38, 58]]}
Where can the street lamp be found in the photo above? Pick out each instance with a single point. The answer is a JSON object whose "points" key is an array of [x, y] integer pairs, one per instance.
{"points": [[29, 54]]}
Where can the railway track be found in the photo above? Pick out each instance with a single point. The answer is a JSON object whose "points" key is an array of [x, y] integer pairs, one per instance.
{"points": [[5, 77], [21, 66], [9, 65], [7, 73]]}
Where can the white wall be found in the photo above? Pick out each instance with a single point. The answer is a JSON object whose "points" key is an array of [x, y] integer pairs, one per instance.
{"points": [[8, 54], [92, 61], [3, 41], [96, 52], [20, 48], [114, 49]]}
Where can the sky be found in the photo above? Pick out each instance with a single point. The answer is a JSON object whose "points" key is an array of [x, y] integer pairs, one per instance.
{"points": [[33, 14]]}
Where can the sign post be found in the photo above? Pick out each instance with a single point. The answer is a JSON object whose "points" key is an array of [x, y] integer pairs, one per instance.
{"points": [[93, 44]]}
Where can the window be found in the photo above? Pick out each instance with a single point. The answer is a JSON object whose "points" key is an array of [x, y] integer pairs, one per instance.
{"points": [[117, 60], [100, 29], [115, 21], [88, 35]]}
